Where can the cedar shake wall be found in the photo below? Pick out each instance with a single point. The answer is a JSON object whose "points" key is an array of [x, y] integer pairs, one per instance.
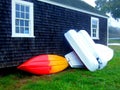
{"points": [[50, 24]]}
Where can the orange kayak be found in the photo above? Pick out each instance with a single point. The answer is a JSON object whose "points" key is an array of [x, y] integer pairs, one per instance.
{"points": [[44, 64]]}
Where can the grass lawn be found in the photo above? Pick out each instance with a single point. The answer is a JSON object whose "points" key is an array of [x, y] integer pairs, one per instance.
{"points": [[70, 79], [114, 41]]}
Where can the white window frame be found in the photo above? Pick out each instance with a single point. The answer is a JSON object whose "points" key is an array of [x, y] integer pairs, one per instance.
{"points": [[31, 19], [95, 28]]}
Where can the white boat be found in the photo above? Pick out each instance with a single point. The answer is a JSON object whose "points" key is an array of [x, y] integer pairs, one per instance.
{"points": [[100, 51], [87, 51], [105, 52], [82, 50], [74, 60]]}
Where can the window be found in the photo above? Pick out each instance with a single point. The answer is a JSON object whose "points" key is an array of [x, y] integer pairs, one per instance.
{"points": [[94, 28], [22, 19]]}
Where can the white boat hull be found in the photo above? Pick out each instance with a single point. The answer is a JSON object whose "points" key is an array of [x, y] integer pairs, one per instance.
{"points": [[74, 60], [93, 56]]}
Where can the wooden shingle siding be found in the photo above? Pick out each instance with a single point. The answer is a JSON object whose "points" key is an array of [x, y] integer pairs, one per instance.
{"points": [[50, 24]]}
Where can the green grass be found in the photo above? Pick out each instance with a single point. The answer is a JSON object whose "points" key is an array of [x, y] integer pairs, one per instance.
{"points": [[114, 40], [70, 79]]}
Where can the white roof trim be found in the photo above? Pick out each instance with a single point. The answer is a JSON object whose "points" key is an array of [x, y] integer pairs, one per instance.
{"points": [[73, 8]]}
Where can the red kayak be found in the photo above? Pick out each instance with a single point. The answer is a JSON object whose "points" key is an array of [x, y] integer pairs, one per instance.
{"points": [[44, 64]]}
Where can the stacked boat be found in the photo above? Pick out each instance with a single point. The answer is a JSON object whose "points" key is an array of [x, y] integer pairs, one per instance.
{"points": [[86, 53]]}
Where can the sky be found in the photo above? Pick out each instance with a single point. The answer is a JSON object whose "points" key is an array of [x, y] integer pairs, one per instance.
{"points": [[91, 2], [111, 21]]}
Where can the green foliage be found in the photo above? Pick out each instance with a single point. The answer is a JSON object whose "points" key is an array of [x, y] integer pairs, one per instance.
{"points": [[109, 6], [70, 79]]}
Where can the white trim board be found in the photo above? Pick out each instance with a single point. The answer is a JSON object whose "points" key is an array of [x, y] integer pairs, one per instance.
{"points": [[72, 8]]}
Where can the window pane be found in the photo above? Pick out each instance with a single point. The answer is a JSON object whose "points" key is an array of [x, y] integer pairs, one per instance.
{"points": [[17, 7], [94, 32], [27, 9], [94, 26], [22, 30], [17, 29], [26, 30], [94, 35], [94, 22], [17, 14], [26, 23], [21, 22], [22, 15], [22, 8], [27, 15], [17, 22]]}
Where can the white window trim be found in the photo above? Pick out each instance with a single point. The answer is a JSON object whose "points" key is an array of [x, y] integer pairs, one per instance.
{"points": [[97, 33], [31, 34]]}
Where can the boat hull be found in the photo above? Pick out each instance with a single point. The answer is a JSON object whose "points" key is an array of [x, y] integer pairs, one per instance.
{"points": [[44, 64], [82, 50], [86, 51]]}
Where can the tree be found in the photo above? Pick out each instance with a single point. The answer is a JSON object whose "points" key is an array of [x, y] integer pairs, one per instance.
{"points": [[109, 6]]}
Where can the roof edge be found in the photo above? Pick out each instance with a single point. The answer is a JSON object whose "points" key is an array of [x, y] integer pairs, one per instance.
{"points": [[72, 8]]}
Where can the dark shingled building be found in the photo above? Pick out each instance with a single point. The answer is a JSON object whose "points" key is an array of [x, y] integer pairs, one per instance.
{"points": [[32, 27]]}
